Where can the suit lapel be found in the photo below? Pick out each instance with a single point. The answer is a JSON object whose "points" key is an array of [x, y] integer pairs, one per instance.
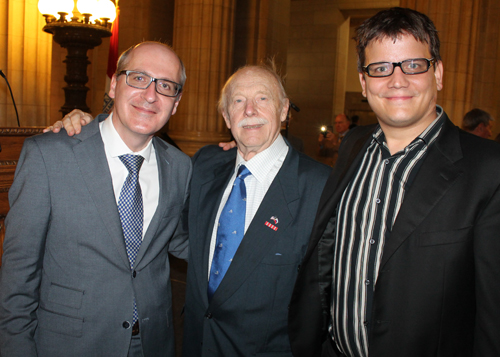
{"points": [[435, 177], [259, 238], [211, 191], [341, 176], [91, 159], [164, 163]]}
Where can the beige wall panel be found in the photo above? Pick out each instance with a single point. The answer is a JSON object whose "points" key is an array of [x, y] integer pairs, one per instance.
{"points": [[25, 58]]}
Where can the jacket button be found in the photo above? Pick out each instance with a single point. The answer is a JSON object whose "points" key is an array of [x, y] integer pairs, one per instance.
{"points": [[134, 274], [208, 315], [126, 324]]}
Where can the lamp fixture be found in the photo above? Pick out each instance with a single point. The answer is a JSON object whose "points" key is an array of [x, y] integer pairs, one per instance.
{"points": [[78, 35]]}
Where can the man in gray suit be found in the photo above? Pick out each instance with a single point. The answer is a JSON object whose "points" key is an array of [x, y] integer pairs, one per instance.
{"points": [[85, 266]]}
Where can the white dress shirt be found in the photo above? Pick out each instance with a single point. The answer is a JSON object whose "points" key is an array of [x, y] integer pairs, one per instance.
{"points": [[148, 175], [264, 167]]}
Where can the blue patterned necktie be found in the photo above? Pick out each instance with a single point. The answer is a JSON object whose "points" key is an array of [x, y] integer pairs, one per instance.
{"points": [[230, 231], [131, 210]]}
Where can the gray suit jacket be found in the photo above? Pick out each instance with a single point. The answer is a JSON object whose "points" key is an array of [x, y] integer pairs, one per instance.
{"points": [[248, 313], [65, 285]]}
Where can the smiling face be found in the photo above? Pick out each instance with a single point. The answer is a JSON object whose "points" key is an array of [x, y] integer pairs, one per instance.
{"points": [[402, 102], [254, 110], [139, 113]]}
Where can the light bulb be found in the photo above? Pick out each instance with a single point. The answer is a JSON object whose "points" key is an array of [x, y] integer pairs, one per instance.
{"points": [[87, 6], [47, 7], [66, 6], [107, 10]]}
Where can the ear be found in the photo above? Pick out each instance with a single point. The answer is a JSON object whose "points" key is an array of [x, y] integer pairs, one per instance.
{"points": [[177, 100], [284, 109], [225, 115], [438, 73], [363, 83], [112, 87]]}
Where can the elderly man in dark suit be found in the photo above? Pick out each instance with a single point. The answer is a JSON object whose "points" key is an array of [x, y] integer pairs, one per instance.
{"points": [[85, 267], [404, 254], [243, 261]]}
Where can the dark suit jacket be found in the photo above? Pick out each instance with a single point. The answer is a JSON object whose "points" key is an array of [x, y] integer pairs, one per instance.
{"points": [[247, 315], [66, 288], [438, 289]]}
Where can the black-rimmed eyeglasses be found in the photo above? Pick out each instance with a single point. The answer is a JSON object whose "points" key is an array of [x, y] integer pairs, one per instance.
{"points": [[409, 66], [141, 80]]}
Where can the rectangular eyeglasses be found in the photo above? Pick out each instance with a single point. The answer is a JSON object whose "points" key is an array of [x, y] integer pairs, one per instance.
{"points": [[409, 66]]}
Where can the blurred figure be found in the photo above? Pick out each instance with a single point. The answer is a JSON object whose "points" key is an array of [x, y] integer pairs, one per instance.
{"points": [[342, 124], [327, 148], [329, 143], [478, 122]]}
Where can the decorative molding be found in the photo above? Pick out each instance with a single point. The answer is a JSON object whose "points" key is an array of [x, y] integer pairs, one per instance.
{"points": [[8, 162], [11, 131]]}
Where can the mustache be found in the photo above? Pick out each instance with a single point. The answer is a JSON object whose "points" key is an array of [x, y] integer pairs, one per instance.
{"points": [[252, 121]]}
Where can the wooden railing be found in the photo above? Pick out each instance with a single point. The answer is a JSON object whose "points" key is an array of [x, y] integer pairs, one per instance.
{"points": [[11, 141]]}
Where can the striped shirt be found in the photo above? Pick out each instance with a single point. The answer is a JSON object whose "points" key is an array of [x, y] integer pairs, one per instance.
{"points": [[365, 216]]}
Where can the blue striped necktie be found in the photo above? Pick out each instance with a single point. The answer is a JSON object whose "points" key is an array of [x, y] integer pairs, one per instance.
{"points": [[230, 231], [131, 210]]}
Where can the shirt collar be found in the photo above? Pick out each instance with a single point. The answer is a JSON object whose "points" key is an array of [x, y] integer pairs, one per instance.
{"points": [[261, 164], [114, 144], [427, 136]]}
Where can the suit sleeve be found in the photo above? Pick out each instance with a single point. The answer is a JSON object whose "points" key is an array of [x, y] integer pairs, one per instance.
{"points": [[179, 245], [26, 229], [487, 264]]}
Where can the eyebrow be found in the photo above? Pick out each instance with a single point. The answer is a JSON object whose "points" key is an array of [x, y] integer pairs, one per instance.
{"points": [[149, 74], [266, 92]]}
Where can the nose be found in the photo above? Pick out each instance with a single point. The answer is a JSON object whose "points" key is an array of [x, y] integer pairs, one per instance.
{"points": [[149, 94], [398, 79], [250, 108]]}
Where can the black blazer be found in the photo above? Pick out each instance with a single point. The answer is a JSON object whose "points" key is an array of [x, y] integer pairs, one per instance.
{"points": [[438, 289], [248, 313]]}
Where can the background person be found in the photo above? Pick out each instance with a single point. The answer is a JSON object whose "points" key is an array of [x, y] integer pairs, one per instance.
{"points": [[478, 122]]}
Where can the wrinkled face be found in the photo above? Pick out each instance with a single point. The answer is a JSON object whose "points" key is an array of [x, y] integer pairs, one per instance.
{"points": [[341, 124], [139, 113], [254, 110], [402, 101]]}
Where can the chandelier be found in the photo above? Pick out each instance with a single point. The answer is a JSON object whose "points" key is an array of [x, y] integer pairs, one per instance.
{"points": [[89, 23]]}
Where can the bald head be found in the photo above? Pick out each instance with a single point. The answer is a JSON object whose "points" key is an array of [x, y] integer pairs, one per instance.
{"points": [[342, 124], [253, 103], [124, 58]]}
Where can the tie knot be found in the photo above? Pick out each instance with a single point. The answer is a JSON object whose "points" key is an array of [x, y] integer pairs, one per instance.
{"points": [[133, 163], [243, 172]]}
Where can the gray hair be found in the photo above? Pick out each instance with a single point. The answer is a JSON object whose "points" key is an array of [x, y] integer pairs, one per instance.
{"points": [[475, 117]]}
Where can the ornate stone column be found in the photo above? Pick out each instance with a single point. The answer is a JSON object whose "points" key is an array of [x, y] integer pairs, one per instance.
{"points": [[203, 38]]}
